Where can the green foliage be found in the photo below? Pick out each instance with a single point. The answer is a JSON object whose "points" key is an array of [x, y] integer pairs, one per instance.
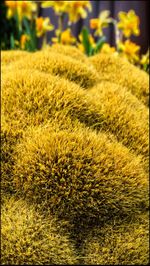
{"points": [[7, 30], [89, 49]]}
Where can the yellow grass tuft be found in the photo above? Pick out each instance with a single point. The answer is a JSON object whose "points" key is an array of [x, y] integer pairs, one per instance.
{"points": [[28, 238], [71, 51], [124, 116], [10, 56], [118, 70], [79, 173], [58, 64], [118, 244]]}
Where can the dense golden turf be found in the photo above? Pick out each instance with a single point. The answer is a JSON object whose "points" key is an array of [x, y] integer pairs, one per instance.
{"points": [[8, 57], [27, 238], [72, 159], [71, 51], [118, 70], [124, 243], [38, 96], [124, 116], [80, 172], [64, 66]]}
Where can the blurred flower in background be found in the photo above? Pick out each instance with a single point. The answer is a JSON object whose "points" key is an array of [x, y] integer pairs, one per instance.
{"points": [[101, 22], [130, 50], [129, 23], [43, 25], [24, 27]]}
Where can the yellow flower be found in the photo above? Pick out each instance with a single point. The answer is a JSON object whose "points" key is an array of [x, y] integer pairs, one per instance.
{"points": [[78, 9], [129, 23], [26, 9], [106, 48], [145, 59], [66, 37], [43, 25], [75, 9], [21, 8], [58, 6], [12, 8], [101, 22], [23, 40], [130, 50]]}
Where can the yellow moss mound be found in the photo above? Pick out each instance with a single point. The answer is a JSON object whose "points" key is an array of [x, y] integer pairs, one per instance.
{"points": [[79, 173], [8, 57], [118, 244], [61, 65], [124, 116], [115, 69], [29, 239], [39, 96], [75, 154], [71, 51]]}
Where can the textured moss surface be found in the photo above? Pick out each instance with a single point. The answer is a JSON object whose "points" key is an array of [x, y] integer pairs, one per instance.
{"points": [[118, 244], [29, 239], [118, 70], [8, 57], [70, 51], [73, 173], [61, 65], [74, 156], [124, 116]]}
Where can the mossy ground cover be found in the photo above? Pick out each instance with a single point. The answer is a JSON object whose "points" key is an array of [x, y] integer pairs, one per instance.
{"points": [[120, 71], [74, 158]]}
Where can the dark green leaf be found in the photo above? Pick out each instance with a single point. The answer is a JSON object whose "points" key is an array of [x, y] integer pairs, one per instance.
{"points": [[86, 42]]}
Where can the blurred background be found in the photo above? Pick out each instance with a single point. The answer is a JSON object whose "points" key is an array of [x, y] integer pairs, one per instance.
{"points": [[25, 24], [141, 9]]}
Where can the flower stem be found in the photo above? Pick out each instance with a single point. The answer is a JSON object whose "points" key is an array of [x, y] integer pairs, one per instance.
{"points": [[118, 35], [60, 25], [44, 41]]}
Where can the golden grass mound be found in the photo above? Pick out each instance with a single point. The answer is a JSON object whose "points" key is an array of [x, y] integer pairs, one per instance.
{"points": [[38, 96], [118, 70], [74, 140], [79, 173], [71, 51], [124, 116], [118, 244], [27, 238], [64, 66], [8, 57]]}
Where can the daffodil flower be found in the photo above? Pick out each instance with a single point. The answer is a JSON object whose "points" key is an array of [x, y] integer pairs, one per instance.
{"points": [[78, 9], [107, 49], [21, 8], [66, 37], [12, 8], [130, 50], [43, 25], [129, 23], [74, 9], [58, 6], [145, 59], [101, 22], [23, 40]]}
